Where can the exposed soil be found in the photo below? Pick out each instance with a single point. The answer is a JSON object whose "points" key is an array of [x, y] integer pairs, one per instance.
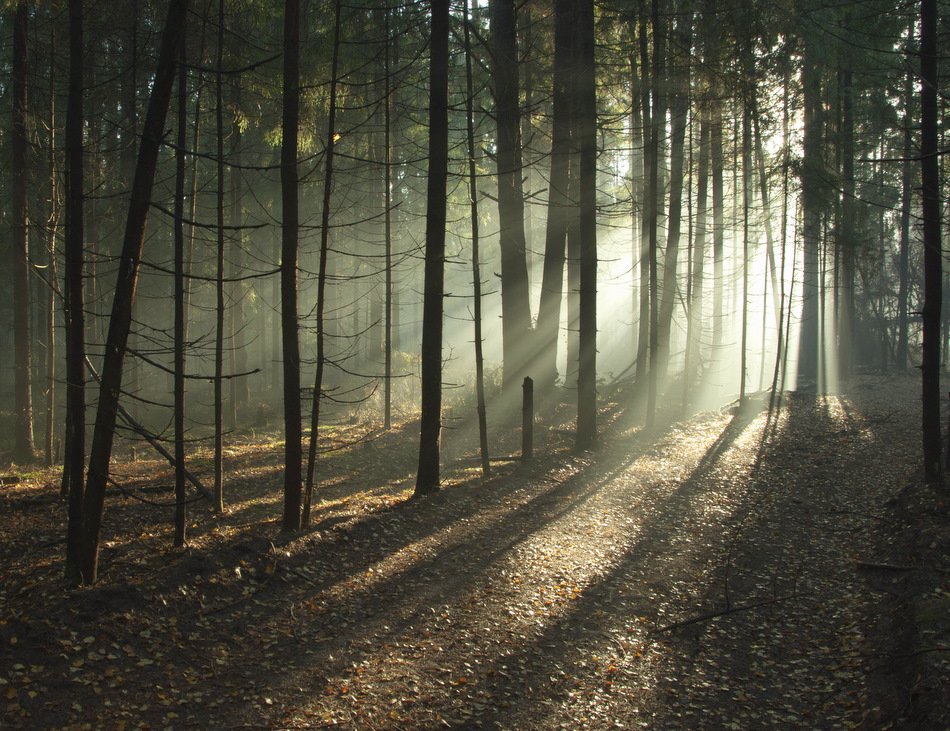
{"points": [[733, 570]]}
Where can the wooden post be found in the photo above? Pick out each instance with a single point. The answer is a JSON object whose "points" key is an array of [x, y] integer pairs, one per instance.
{"points": [[527, 419]]}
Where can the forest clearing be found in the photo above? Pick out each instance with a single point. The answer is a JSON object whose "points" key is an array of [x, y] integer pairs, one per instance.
{"points": [[731, 570], [514, 364]]}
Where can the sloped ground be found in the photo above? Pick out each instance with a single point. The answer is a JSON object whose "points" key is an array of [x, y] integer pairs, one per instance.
{"points": [[736, 570]]}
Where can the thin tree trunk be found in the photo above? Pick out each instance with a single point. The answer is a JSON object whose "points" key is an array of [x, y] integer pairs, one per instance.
{"points": [[24, 450], [239, 393], [586, 127], [388, 232], [179, 297], [219, 274], [907, 182], [658, 125], [124, 297], [559, 203], [322, 273], [476, 266], [427, 476], [848, 241], [679, 112], [288, 266], [746, 206], [75, 438], [811, 214], [933, 275], [646, 128], [696, 299], [516, 311], [52, 227]]}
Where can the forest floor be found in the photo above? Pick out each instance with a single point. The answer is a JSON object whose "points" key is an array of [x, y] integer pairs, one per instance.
{"points": [[732, 570]]}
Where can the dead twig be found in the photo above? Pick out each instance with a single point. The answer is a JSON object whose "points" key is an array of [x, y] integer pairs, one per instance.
{"points": [[723, 612]]}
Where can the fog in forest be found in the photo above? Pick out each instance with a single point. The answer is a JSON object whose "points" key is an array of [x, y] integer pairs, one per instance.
{"points": [[785, 226]]}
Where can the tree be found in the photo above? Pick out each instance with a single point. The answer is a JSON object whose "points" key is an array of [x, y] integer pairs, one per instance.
{"points": [[560, 205], [322, 273], [427, 475], [516, 311], [288, 266], [812, 204], [933, 255], [74, 465], [658, 127], [586, 435], [179, 297], [124, 296], [24, 448], [476, 265], [219, 271]]}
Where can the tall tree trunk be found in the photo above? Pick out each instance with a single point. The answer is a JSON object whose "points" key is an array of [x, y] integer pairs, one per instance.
{"points": [[646, 129], [288, 267], [746, 235], [637, 190], [559, 203], [658, 126], [933, 275], [427, 476], [124, 297], [322, 273], [907, 182], [24, 448], [679, 111], [219, 273], [476, 266], [847, 242], [52, 226], [713, 62], [239, 393], [179, 297], [388, 222], [696, 299], [516, 311], [811, 216], [586, 127], [75, 439]]}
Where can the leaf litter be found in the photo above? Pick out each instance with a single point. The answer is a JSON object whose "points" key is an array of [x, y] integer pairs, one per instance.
{"points": [[722, 572]]}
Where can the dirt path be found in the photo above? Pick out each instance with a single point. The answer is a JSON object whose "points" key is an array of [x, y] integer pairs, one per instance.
{"points": [[731, 571]]}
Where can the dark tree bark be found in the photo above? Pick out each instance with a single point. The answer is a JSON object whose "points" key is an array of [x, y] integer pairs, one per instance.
{"points": [[907, 182], [679, 112], [124, 297], [219, 273], [560, 205], [812, 165], [933, 264], [645, 132], [50, 279], [476, 266], [288, 267], [179, 297], [586, 435], [696, 299], [238, 385], [516, 311], [427, 476], [746, 209], [75, 439], [322, 273], [847, 241], [658, 125], [388, 222], [24, 448]]}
